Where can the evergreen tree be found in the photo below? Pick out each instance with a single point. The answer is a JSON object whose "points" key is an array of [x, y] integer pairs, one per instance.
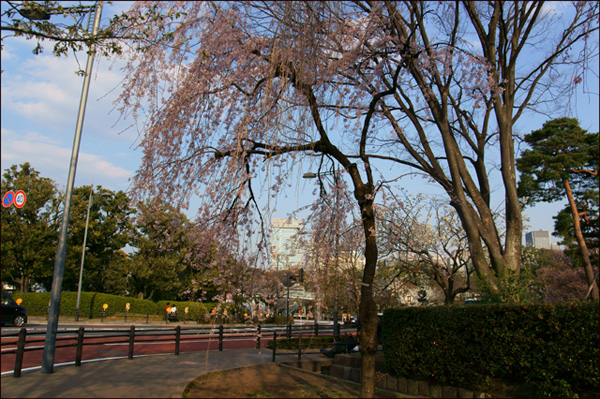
{"points": [[563, 161], [29, 233], [109, 231]]}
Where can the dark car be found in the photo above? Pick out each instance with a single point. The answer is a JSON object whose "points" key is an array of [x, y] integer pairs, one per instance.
{"points": [[12, 312]]}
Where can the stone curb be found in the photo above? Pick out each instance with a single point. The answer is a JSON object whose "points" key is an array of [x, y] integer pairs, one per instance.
{"points": [[347, 367]]}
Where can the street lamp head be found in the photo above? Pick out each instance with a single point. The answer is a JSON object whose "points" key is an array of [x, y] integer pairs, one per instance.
{"points": [[104, 194], [312, 175], [34, 13]]}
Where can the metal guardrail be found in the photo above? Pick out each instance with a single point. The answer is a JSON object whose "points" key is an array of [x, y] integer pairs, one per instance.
{"points": [[68, 338], [304, 344]]}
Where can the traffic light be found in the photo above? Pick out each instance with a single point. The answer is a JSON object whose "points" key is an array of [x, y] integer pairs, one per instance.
{"points": [[288, 280], [301, 275]]}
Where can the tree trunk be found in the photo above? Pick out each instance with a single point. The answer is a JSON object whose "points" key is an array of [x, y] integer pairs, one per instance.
{"points": [[368, 308], [449, 294], [24, 283], [478, 255], [585, 256]]}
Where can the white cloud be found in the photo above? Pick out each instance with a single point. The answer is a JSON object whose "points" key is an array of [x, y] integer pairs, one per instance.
{"points": [[94, 164], [555, 8], [47, 89], [40, 100], [43, 102], [53, 161]]}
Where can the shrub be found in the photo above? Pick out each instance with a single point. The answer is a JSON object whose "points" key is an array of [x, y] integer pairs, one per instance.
{"points": [[91, 303], [552, 347]]}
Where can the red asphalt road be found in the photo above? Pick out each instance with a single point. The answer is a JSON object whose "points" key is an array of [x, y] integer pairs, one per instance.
{"points": [[103, 348]]}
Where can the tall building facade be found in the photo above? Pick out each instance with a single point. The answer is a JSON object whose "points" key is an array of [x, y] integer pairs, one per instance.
{"points": [[538, 239], [285, 250]]}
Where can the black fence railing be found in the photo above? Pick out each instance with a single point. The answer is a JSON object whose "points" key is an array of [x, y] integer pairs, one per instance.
{"points": [[300, 342], [26, 341]]}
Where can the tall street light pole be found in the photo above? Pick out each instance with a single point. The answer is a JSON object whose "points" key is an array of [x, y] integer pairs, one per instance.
{"points": [[87, 222], [277, 286], [336, 325], [312, 175], [61, 251], [287, 302], [291, 280]]}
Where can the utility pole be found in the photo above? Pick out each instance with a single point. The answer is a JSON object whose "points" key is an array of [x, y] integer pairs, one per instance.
{"points": [[334, 173], [290, 280], [336, 325], [61, 251], [87, 221], [287, 303], [277, 285]]}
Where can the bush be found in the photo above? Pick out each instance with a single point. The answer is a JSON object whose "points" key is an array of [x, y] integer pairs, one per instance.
{"points": [[35, 303], [552, 347], [91, 303]]}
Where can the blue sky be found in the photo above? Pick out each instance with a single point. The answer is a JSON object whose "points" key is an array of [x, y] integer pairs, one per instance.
{"points": [[39, 102]]}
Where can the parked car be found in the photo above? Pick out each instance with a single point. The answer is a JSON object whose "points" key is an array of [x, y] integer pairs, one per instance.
{"points": [[12, 312]]}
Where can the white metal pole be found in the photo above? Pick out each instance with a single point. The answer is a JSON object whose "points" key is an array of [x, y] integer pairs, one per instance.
{"points": [[61, 251], [87, 221]]}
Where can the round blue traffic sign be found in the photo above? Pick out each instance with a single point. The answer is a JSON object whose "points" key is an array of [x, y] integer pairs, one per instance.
{"points": [[8, 199]]}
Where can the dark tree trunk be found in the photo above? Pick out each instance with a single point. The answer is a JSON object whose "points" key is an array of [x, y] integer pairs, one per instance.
{"points": [[24, 283], [583, 250], [368, 308]]}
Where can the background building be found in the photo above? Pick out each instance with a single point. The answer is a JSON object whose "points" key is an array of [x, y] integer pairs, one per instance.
{"points": [[538, 239], [286, 253]]}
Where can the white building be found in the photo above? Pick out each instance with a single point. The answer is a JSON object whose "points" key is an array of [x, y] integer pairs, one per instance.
{"points": [[286, 252], [538, 239]]}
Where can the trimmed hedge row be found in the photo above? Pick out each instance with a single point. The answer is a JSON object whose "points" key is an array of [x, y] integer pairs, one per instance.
{"points": [[552, 347], [90, 305]]}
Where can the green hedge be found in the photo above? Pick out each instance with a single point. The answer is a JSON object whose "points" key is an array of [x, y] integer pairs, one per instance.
{"points": [[552, 347], [91, 303], [90, 307]]}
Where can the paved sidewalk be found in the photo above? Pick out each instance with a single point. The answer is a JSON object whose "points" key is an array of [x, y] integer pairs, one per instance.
{"points": [[163, 376]]}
